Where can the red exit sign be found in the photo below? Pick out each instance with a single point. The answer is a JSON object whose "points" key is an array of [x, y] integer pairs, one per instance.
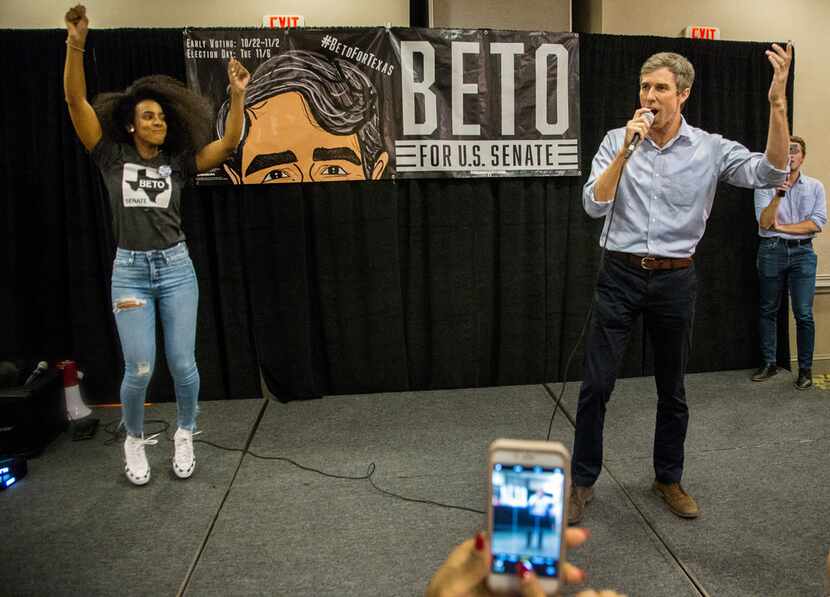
{"points": [[283, 21], [701, 32]]}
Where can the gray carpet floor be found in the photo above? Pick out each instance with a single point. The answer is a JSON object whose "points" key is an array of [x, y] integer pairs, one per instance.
{"points": [[256, 524]]}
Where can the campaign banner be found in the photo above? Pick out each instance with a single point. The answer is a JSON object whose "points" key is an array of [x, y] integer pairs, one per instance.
{"points": [[378, 103]]}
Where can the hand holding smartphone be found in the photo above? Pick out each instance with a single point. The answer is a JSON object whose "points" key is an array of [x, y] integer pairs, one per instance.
{"points": [[528, 482]]}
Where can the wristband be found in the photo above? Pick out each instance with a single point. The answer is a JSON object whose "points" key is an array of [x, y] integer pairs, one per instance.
{"points": [[74, 47]]}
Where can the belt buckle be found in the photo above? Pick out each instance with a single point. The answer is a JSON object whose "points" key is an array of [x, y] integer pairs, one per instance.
{"points": [[646, 259]]}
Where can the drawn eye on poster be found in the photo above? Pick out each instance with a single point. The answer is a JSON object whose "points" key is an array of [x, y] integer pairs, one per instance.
{"points": [[326, 105]]}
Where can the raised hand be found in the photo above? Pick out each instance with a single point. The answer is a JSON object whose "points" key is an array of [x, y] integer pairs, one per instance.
{"points": [[780, 59], [238, 76], [214, 154], [638, 125], [77, 24]]}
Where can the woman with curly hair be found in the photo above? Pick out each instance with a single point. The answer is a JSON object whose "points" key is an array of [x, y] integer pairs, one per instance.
{"points": [[148, 141]]}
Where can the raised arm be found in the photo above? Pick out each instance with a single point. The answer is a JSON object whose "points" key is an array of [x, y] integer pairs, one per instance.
{"points": [[778, 136], [83, 116], [213, 154]]}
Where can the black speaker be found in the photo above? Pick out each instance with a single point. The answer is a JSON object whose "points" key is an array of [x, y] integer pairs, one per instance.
{"points": [[32, 415], [12, 469]]}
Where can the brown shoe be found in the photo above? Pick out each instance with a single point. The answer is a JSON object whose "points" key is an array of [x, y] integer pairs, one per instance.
{"points": [[679, 502], [580, 496]]}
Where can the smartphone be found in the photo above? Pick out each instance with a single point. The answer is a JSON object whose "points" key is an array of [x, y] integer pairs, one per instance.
{"points": [[529, 484]]}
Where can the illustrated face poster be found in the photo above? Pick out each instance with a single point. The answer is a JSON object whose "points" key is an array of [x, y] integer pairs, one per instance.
{"points": [[366, 104]]}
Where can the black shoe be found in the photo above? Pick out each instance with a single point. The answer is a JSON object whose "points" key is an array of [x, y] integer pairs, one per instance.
{"points": [[805, 379], [765, 372]]}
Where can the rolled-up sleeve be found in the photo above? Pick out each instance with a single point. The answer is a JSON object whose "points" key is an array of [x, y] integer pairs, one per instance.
{"points": [[603, 158], [743, 168], [819, 214], [762, 200]]}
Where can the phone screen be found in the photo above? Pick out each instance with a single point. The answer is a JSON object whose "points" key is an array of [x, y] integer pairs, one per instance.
{"points": [[527, 518]]}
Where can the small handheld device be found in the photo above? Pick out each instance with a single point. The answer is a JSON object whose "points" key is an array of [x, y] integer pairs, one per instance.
{"points": [[529, 483]]}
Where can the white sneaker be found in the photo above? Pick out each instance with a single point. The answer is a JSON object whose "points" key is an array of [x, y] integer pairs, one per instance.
{"points": [[184, 461], [136, 466]]}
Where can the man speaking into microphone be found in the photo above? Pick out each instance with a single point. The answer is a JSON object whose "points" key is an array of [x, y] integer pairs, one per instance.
{"points": [[656, 197]]}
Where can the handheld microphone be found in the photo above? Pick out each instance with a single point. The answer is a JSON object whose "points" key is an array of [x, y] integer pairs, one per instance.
{"points": [[41, 367], [635, 142], [778, 192]]}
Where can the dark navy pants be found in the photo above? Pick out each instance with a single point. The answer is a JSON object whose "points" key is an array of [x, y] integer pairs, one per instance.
{"points": [[666, 300]]}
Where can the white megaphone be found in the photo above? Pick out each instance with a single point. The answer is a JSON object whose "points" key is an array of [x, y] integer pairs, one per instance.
{"points": [[75, 407]]}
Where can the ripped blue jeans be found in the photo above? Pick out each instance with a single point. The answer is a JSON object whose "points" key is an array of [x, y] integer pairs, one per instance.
{"points": [[142, 283]]}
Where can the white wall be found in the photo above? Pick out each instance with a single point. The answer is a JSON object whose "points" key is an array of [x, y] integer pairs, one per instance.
{"points": [[523, 15], [46, 14]]}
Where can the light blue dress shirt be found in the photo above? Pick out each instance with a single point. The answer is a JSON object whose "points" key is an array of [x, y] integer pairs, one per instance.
{"points": [[665, 194], [805, 200]]}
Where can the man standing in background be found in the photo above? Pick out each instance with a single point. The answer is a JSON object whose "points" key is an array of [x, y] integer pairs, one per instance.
{"points": [[788, 218]]}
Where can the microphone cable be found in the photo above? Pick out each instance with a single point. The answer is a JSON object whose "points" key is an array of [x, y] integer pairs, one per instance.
{"points": [[558, 399]]}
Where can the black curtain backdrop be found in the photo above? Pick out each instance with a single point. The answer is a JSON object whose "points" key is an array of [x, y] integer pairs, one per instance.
{"points": [[419, 13], [57, 247], [359, 287]]}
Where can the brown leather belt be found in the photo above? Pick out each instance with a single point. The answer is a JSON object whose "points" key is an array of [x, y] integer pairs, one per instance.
{"points": [[651, 262]]}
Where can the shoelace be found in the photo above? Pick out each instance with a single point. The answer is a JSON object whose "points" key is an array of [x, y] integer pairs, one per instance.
{"points": [[186, 438], [185, 442], [134, 450], [149, 441], [135, 447]]}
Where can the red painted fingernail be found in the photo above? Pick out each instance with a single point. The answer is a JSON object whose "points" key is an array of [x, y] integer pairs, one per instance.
{"points": [[522, 570], [479, 542]]}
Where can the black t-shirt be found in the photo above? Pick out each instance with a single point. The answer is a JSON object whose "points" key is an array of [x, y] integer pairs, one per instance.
{"points": [[145, 195]]}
